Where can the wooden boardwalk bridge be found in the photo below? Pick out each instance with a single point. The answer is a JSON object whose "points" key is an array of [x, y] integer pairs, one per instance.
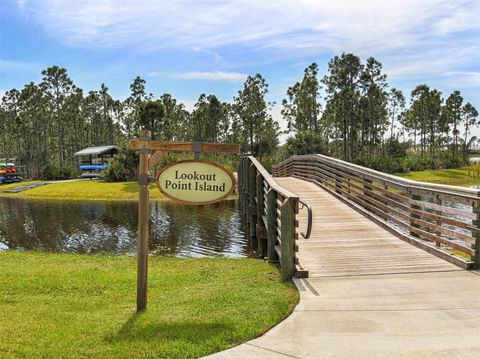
{"points": [[381, 271], [362, 221]]}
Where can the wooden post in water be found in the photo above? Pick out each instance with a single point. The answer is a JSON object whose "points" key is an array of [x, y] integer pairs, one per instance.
{"points": [[143, 223]]}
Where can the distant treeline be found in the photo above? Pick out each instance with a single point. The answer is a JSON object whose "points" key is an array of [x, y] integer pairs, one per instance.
{"points": [[350, 113], [365, 121], [43, 125]]}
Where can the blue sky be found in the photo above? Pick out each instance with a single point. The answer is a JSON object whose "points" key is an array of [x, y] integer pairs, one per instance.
{"points": [[189, 47]]}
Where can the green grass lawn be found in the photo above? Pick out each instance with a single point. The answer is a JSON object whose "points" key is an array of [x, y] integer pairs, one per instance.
{"points": [[83, 190], [453, 177], [78, 306]]}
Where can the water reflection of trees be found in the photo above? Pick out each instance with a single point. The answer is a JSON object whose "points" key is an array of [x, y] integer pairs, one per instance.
{"points": [[76, 227], [111, 227], [197, 230]]}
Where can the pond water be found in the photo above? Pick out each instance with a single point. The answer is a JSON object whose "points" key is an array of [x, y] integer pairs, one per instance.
{"points": [[111, 228]]}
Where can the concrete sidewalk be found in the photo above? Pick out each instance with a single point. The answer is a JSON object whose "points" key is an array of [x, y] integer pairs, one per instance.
{"points": [[408, 315]]}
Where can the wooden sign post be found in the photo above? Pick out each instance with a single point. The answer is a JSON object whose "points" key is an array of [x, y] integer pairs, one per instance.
{"points": [[143, 222], [151, 152]]}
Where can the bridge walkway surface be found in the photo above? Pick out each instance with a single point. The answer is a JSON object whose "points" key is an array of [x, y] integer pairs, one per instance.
{"points": [[369, 294]]}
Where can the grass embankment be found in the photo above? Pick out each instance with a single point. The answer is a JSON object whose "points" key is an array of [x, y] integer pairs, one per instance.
{"points": [[83, 190], [453, 177], [73, 306]]}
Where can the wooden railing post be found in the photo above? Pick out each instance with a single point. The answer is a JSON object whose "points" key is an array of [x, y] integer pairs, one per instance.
{"points": [[245, 186], [349, 184], [366, 186], [287, 238], [476, 234], [252, 206], [271, 225], [338, 187], [261, 230], [320, 179], [439, 223], [240, 185], [415, 197]]}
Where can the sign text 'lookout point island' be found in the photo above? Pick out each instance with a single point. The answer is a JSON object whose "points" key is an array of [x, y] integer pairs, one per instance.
{"points": [[195, 182]]}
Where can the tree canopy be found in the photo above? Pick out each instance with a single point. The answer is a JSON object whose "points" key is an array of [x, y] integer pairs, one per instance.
{"points": [[349, 113]]}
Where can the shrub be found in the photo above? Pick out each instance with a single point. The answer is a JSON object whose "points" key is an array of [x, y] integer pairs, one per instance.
{"points": [[123, 168], [115, 173], [52, 172], [305, 142], [382, 164]]}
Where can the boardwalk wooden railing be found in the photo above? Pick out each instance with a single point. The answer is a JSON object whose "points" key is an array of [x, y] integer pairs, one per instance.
{"points": [[443, 220], [270, 212]]}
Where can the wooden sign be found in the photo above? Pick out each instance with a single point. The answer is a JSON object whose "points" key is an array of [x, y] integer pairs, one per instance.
{"points": [[217, 186], [195, 182]]}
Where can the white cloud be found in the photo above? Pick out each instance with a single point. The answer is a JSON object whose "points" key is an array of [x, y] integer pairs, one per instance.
{"points": [[460, 20], [277, 116], [21, 4], [206, 75], [18, 66], [422, 40], [215, 76], [302, 25], [467, 81], [473, 76], [189, 104]]}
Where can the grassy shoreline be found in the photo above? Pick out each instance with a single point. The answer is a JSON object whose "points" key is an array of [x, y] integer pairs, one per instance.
{"points": [[78, 306], [453, 177], [83, 190]]}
